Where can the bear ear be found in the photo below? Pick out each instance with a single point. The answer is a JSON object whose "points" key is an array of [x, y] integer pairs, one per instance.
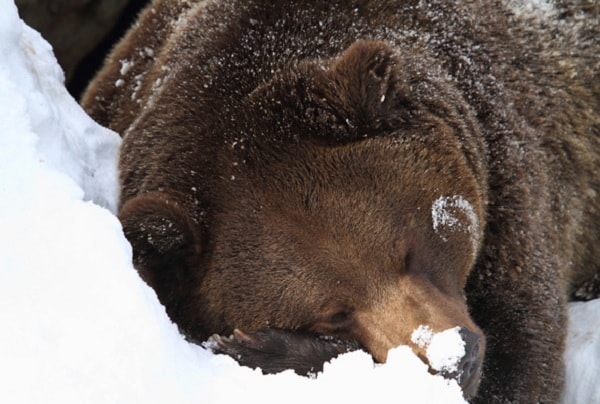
{"points": [[166, 244], [364, 90]]}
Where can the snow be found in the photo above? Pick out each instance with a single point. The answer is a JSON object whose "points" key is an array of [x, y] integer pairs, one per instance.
{"points": [[539, 9], [70, 140], [442, 214], [583, 353], [79, 325], [448, 214], [444, 349], [421, 336]]}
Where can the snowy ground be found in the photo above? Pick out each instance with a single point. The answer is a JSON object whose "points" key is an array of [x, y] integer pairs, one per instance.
{"points": [[78, 324]]}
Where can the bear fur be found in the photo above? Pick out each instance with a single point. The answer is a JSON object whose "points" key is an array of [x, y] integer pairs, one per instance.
{"points": [[302, 170]]}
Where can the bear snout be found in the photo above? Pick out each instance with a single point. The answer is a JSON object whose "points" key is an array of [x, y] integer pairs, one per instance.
{"points": [[466, 370], [416, 305]]}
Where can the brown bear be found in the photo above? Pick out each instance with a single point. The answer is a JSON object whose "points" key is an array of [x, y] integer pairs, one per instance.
{"points": [[328, 175]]}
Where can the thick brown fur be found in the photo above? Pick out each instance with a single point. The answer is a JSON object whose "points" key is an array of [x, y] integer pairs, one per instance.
{"points": [[285, 165]]}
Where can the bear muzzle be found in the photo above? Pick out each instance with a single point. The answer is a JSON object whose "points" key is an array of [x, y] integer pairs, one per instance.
{"points": [[393, 321]]}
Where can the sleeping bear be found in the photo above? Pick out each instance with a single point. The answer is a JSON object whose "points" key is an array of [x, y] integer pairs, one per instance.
{"points": [[323, 176]]}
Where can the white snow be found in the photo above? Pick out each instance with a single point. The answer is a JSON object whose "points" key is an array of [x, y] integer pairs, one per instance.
{"points": [[443, 215], [454, 213], [69, 139], [583, 353], [444, 349], [422, 336], [539, 9], [78, 324], [126, 65]]}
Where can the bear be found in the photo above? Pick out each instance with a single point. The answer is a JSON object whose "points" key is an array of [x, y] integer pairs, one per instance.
{"points": [[305, 178]]}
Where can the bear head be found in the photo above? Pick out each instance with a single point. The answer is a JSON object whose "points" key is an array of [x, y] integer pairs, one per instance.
{"points": [[348, 201]]}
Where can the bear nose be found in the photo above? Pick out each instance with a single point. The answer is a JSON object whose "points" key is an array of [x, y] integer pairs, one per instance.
{"points": [[470, 365]]}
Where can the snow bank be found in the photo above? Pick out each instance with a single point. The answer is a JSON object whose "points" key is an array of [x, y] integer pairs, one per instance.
{"points": [[65, 136], [583, 354], [78, 324]]}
